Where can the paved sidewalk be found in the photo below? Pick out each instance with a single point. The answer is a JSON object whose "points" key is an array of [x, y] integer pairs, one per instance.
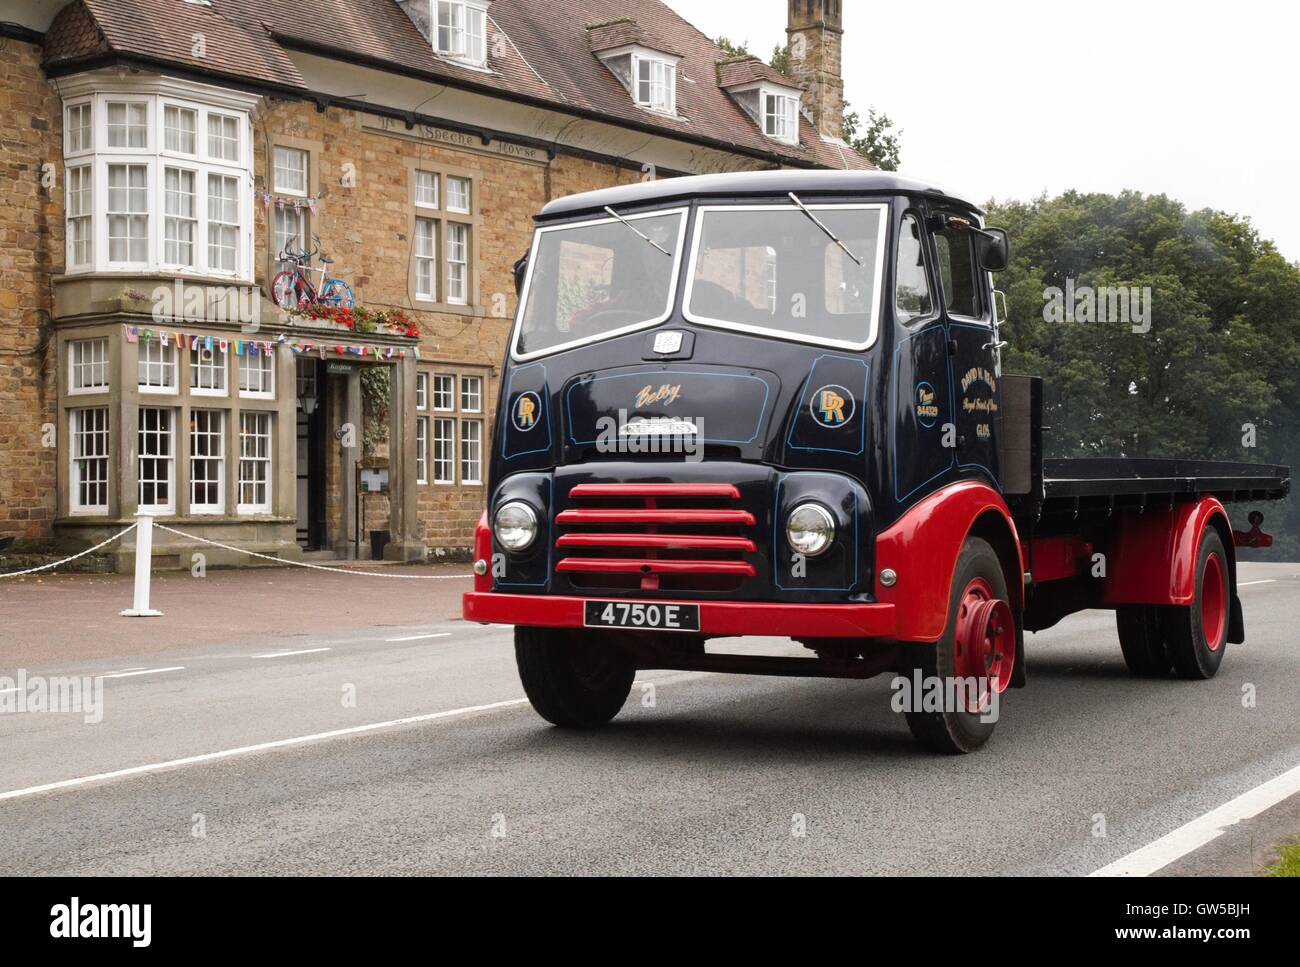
{"points": [[46, 619]]}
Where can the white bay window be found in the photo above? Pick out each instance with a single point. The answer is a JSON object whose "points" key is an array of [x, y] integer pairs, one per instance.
{"points": [[158, 176]]}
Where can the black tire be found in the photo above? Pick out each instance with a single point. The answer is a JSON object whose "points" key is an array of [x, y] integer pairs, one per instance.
{"points": [[573, 679], [954, 731], [1189, 629], [1142, 639]]}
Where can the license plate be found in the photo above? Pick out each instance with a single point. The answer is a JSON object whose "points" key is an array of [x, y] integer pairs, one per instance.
{"points": [[650, 616]]}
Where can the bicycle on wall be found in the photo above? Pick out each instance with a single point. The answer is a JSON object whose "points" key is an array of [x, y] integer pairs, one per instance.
{"points": [[294, 289]]}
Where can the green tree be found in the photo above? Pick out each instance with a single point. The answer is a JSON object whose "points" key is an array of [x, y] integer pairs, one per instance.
{"points": [[1219, 363], [875, 140]]}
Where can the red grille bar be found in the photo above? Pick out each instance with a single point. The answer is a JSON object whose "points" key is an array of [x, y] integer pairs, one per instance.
{"points": [[610, 565], [654, 516], [638, 552], [703, 542], [727, 491]]}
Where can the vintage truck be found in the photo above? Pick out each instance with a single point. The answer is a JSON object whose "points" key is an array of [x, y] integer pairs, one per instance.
{"points": [[773, 404]]}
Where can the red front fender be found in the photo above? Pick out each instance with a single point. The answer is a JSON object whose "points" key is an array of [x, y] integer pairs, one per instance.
{"points": [[922, 549]]}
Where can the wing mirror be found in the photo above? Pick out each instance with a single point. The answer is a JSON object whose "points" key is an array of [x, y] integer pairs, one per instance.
{"points": [[993, 249]]}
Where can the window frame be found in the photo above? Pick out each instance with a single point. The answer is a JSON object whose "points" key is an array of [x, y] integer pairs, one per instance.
{"points": [[159, 98], [73, 365], [451, 458], [927, 268], [268, 369], [149, 213], [85, 213], [158, 389], [680, 260], [265, 506], [168, 459], [422, 450], [219, 459], [78, 104], [166, 217], [466, 379], [430, 274], [466, 440], [196, 367], [276, 168], [666, 82], [460, 31], [789, 118], [978, 276], [451, 393], [882, 236], [75, 479]]}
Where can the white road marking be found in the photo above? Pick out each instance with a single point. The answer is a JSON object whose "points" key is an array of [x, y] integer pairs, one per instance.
{"points": [[249, 749], [145, 671], [444, 634], [286, 654], [1204, 829], [1246, 584]]}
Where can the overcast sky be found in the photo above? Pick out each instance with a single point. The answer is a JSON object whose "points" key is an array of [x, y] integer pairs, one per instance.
{"points": [[1005, 99]]}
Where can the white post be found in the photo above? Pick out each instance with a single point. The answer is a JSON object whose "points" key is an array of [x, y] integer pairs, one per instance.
{"points": [[143, 567]]}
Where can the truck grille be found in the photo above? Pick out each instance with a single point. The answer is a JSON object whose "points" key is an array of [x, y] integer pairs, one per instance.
{"points": [[655, 537]]}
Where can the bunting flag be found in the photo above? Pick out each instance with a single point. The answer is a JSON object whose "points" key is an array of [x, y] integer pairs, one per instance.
{"points": [[263, 347]]}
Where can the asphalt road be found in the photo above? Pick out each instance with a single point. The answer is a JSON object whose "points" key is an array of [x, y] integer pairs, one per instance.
{"points": [[701, 773]]}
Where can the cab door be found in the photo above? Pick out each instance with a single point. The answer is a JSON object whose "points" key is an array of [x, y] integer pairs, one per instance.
{"points": [[923, 435], [966, 301]]}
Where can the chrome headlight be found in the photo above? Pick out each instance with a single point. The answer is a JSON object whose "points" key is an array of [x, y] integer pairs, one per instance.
{"points": [[515, 526], [810, 529]]}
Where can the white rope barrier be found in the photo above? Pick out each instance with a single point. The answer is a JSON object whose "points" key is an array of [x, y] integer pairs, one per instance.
{"points": [[67, 560], [314, 567]]}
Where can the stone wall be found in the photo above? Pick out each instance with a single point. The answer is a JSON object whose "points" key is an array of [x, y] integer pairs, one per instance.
{"points": [[31, 248]]}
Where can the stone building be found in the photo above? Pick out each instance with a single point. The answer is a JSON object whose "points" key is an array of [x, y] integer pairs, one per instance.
{"points": [[161, 156]]}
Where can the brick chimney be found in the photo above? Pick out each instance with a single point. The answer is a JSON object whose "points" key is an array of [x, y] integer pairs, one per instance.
{"points": [[816, 33]]}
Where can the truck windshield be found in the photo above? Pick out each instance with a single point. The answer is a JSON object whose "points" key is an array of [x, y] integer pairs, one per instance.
{"points": [[596, 279], [774, 270]]}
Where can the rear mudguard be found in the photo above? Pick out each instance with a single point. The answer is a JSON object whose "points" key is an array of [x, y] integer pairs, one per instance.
{"points": [[1151, 558]]}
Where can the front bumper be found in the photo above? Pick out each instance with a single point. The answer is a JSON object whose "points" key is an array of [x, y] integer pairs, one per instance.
{"points": [[718, 619]]}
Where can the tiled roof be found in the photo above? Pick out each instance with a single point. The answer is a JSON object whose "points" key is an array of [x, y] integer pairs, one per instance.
{"points": [[622, 33], [750, 70], [233, 41], [541, 51]]}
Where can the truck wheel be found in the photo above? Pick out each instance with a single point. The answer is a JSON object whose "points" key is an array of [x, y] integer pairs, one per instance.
{"points": [[977, 652], [572, 679], [1198, 633], [1142, 639]]}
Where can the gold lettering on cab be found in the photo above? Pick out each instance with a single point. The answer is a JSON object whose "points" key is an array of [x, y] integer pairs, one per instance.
{"points": [[666, 394]]}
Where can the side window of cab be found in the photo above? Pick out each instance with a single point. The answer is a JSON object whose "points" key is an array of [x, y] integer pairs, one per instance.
{"points": [[959, 273], [912, 299]]}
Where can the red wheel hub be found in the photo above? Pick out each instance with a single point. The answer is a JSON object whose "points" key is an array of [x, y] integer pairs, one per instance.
{"points": [[984, 644], [1214, 603]]}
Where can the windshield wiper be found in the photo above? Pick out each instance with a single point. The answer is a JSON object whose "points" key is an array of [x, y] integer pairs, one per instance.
{"points": [[822, 225], [638, 231]]}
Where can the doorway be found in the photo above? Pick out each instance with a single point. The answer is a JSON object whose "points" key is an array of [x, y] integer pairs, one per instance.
{"points": [[311, 454]]}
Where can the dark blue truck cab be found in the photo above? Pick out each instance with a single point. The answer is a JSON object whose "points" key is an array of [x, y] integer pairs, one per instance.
{"points": [[773, 404]]}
